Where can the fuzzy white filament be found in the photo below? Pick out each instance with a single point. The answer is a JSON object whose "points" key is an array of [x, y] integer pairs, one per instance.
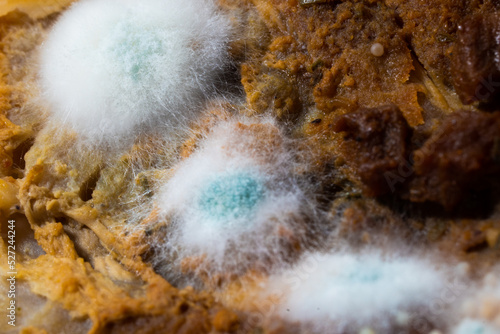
{"points": [[472, 326], [336, 291], [230, 200], [113, 68]]}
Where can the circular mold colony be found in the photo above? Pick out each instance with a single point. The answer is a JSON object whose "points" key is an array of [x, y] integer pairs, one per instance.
{"points": [[111, 69], [471, 326], [234, 204], [346, 292]]}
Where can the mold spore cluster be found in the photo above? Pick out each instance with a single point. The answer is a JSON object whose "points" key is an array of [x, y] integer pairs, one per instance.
{"points": [[346, 292], [111, 69], [234, 202], [474, 326]]}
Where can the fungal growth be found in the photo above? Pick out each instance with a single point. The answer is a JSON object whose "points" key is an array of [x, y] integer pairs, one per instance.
{"points": [[470, 326], [348, 292], [479, 310], [111, 69], [230, 197], [233, 204]]}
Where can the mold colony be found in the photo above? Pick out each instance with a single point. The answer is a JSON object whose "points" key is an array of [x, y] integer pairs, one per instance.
{"points": [[231, 200], [239, 203], [111, 69], [349, 291]]}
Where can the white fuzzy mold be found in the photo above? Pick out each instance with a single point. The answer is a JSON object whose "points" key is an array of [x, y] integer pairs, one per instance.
{"points": [[339, 293], [234, 202], [111, 69], [473, 326]]}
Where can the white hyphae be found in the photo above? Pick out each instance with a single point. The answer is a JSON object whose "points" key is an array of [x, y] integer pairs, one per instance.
{"points": [[340, 292], [472, 326], [113, 68], [234, 202], [480, 308]]}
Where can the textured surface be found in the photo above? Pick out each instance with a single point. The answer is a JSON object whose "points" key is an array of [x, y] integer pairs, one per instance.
{"points": [[257, 214]]}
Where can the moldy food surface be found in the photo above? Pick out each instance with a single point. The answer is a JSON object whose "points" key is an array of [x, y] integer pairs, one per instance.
{"points": [[263, 166]]}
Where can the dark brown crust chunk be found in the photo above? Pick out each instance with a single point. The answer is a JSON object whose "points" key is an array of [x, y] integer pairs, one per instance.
{"points": [[375, 145], [476, 59], [459, 159], [461, 156]]}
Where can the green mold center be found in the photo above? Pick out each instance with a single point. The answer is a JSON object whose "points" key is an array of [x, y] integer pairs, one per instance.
{"points": [[135, 49], [231, 197]]}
